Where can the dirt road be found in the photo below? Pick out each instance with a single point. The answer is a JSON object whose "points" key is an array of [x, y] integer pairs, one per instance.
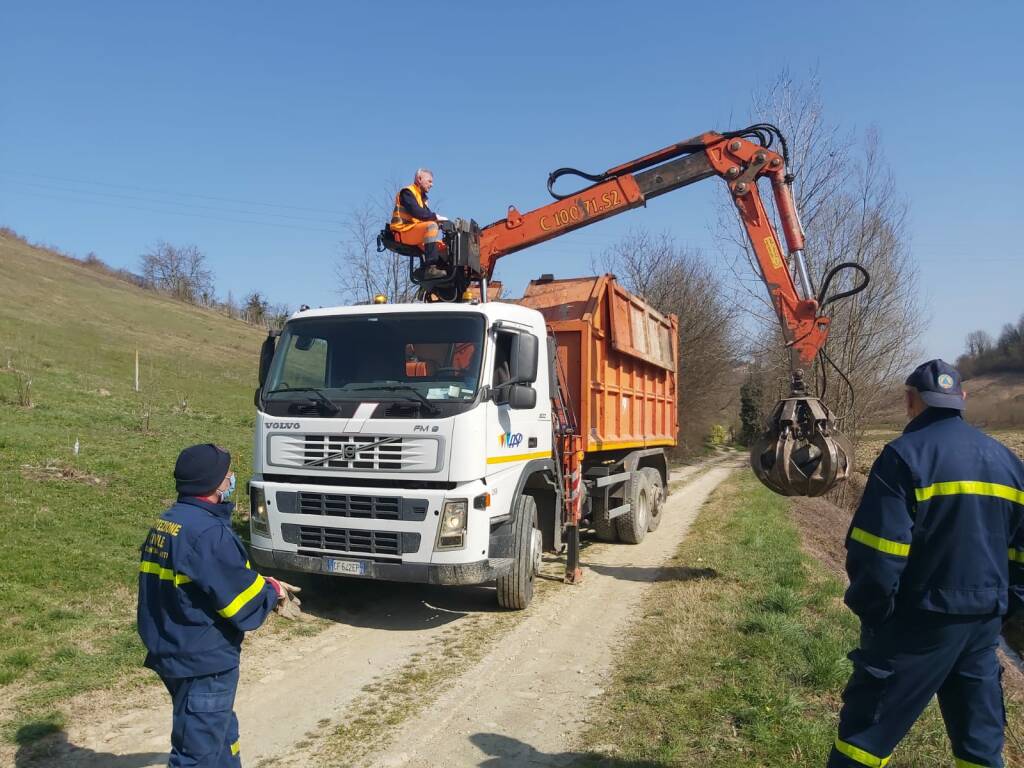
{"points": [[518, 701]]}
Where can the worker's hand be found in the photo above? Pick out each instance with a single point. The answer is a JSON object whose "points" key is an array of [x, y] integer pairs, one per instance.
{"points": [[278, 587], [288, 606]]}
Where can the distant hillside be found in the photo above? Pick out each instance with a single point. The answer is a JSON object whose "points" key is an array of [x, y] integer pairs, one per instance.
{"points": [[71, 524], [994, 401]]}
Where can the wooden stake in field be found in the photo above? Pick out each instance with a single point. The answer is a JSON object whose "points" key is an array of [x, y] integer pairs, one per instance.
{"points": [[136, 370]]}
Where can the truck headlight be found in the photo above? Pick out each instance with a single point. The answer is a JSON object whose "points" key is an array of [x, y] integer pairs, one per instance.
{"points": [[258, 521], [452, 533]]}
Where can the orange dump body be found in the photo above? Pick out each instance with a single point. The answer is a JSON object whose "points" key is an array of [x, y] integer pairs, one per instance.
{"points": [[618, 357]]}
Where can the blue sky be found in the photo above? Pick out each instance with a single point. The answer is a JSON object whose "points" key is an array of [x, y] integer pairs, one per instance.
{"points": [[249, 129]]}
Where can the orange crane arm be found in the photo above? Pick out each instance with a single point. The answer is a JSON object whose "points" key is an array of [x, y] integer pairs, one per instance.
{"points": [[734, 158]]}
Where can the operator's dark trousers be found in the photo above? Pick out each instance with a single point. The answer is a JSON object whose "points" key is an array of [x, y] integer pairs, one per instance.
{"points": [[901, 665], [204, 732]]}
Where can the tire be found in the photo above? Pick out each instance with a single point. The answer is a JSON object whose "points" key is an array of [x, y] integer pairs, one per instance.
{"points": [[632, 526], [515, 589], [604, 529], [657, 497]]}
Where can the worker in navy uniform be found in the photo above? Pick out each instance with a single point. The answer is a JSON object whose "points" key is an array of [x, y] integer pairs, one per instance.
{"points": [[413, 223], [197, 598], [935, 555]]}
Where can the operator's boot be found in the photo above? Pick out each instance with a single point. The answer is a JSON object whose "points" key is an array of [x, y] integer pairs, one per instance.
{"points": [[431, 260]]}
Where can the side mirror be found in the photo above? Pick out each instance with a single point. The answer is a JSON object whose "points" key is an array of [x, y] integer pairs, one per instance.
{"points": [[267, 356], [521, 397], [523, 365]]}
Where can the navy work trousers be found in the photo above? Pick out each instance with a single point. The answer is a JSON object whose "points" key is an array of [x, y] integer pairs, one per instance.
{"points": [[901, 665], [204, 732]]}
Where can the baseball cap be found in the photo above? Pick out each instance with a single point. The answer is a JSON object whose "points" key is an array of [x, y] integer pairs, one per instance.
{"points": [[938, 383]]}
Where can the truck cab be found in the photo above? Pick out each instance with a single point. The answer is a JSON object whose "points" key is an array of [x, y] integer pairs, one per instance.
{"points": [[407, 443]]}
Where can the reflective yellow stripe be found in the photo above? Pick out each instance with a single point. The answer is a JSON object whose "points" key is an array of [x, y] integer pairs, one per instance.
{"points": [[147, 566], [236, 605], [236, 747], [518, 457], [970, 487], [1017, 555], [966, 764], [877, 542], [862, 757]]}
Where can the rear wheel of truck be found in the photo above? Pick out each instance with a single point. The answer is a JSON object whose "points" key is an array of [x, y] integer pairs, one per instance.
{"points": [[604, 529], [632, 526], [515, 589], [657, 497]]}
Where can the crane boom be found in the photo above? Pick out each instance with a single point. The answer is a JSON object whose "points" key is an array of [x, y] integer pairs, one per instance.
{"points": [[801, 452], [741, 163]]}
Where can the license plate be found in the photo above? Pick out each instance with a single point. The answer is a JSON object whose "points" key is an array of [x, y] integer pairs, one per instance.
{"points": [[351, 567]]}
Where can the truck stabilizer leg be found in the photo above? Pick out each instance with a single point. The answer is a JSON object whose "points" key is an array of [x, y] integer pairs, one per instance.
{"points": [[573, 572]]}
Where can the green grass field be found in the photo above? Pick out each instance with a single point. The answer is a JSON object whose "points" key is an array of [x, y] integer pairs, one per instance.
{"points": [[741, 665], [71, 525]]}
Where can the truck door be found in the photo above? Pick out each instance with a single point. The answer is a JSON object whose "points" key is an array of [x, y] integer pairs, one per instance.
{"points": [[514, 435]]}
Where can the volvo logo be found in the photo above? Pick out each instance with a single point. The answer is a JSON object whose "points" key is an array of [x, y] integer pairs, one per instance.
{"points": [[282, 425]]}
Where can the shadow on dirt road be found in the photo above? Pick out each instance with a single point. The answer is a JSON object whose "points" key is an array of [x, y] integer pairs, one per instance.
{"points": [[507, 752], [57, 750], [395, 606]]}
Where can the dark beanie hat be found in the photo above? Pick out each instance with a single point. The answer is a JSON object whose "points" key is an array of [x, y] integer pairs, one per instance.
{"points": [[200, 469]]}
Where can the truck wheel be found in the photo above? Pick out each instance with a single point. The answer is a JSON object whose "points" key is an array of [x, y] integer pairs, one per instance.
{"points": [[657, 497], [632, 526], [604, 529], [515, 589]]}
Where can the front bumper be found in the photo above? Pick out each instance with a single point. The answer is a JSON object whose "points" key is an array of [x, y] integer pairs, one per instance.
{"points": [[449, 574]]}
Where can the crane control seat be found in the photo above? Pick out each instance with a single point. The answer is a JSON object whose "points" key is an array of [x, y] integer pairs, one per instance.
{"points": [[461, 242]]}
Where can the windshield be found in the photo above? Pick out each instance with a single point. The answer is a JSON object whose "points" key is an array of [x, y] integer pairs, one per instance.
{"points": [[421, 359]]}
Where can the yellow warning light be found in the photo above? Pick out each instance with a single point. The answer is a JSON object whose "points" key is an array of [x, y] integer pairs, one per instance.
{"points": [[467, 295], [579, 455], [380, 298]]}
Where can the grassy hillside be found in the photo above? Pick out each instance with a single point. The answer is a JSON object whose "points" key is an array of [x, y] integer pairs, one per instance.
{"points": [[71, 525], [994, 402]]}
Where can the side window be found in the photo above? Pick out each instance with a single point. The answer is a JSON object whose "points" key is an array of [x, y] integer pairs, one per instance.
{"points": [[502, 359], [306, 363]]}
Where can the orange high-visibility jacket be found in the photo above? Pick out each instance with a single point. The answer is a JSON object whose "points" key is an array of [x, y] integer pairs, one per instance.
{"points": [[402, 219]]}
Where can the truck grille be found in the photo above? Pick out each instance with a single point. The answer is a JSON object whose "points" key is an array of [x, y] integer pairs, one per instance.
{"points": [[350, 540], [367, 453], [344, 505], [387, 455]]}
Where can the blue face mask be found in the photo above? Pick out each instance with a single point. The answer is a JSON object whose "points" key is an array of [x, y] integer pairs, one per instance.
{"points": [[227, 492]]}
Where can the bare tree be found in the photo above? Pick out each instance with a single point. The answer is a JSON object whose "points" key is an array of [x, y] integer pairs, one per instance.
{"points": [[678, 281], [231, 306], [179, 271], [277, 314], [255, 308], [852, 212], [987, 355], [979, 343]]}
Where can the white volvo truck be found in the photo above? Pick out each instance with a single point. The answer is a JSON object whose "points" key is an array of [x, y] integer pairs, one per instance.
{"points": [[393, 442]]}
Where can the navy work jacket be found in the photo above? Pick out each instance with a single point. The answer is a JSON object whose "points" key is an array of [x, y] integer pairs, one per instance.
{"points": [[940, 525], [197, 593]]}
